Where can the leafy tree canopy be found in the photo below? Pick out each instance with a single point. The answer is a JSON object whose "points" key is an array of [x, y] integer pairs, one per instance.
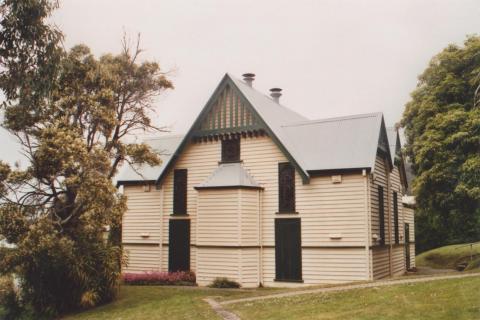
{"points": [[442, 127], [71, 113]]}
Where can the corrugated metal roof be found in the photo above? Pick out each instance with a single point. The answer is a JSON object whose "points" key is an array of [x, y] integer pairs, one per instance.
{"points": [[336, 143], [327, 144], [165, 147], [229, 175]]}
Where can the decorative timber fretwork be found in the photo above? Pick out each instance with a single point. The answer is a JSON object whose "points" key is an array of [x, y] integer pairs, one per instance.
{"points": [[228, 115]]}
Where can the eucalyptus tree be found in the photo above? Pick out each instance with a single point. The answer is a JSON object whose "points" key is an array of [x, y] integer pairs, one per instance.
{"points": [[71, 113]]}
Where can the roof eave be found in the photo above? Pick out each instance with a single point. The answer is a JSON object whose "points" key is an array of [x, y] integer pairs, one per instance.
{"points": [[187, 137], [134, 182], [338, 171]]}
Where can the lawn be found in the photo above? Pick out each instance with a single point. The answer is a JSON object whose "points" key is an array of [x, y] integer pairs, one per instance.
{"points": [[449, 257], [441, 299], [161, 302]]}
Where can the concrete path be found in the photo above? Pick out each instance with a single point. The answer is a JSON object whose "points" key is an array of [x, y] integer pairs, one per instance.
{"points": [[381, 283], [226, 315]]}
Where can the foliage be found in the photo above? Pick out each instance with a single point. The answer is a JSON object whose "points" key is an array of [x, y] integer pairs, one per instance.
{"points": [[160, 278], [71, 113], [442, 127], [449, 257], [9, 299], [473, 264], [224, 283]]}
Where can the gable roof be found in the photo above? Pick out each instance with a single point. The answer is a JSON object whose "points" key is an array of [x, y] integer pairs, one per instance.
{"points": [[393, 141], [396, 154], [165, 147], [229, 175], [310, 145], [336, 143]]}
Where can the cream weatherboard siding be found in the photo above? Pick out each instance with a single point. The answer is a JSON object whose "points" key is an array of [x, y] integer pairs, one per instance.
{"points": [[388, 259], [233, 231], [332, 215], [227, 222], [141, 228], [141, 258]]}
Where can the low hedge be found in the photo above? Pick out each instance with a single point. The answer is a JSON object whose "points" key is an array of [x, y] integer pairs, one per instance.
{"points": [[224, 283], [181, 278]]}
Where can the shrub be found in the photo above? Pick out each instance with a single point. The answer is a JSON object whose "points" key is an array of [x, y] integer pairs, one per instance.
{"points": [[181, 278], [9, 299], [474, 264], [224, 283]]}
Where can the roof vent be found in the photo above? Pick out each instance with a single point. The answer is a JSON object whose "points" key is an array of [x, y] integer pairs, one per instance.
{"points": [[276, 93], [248, 78]]}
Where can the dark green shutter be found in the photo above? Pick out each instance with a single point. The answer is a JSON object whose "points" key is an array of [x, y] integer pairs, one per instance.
{"points": [[381, 215], [231, 150], [407, 245], [288, 250], [286, 187], [395, 217], [179, 245], [180, 191]]}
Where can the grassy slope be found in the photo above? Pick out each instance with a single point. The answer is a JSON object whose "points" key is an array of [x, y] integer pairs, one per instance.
{"points": [[439, 300], [446, 257], [157, 302]]}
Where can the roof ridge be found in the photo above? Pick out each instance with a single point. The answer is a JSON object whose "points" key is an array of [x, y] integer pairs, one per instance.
{"points": [[266, 96], [334, 119]]}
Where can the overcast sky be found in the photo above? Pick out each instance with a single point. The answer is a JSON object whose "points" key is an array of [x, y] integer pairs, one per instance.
{"points": [[331, 58]]}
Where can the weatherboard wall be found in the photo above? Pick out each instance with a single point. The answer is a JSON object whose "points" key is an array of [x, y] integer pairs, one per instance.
{"points": [[332, 214], [334, 220], [141, 228], [389, 258]]}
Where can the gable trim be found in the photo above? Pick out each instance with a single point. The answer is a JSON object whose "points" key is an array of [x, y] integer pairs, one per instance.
{"points": [[382, 137], [303, 174], [226, 80]]}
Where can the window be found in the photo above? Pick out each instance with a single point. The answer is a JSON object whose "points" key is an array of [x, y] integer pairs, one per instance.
{"points": [[180, 191], [395, 217], [381, 215], [231, 150], [286, 187]]}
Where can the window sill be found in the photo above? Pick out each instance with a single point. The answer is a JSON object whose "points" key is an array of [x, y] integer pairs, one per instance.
{"points": [[288, 280], [236, 161]]}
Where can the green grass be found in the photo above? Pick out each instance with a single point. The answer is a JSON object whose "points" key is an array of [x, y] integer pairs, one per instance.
{"points": [[448, 257], [161, 302], [439, 300]]}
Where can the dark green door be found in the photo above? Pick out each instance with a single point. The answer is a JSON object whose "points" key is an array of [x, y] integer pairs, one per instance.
{"points": [[179, 245], [288, 250], [407, 245]]}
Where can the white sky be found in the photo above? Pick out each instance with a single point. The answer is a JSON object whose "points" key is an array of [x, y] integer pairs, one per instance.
{"points": [[331, 58]]}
